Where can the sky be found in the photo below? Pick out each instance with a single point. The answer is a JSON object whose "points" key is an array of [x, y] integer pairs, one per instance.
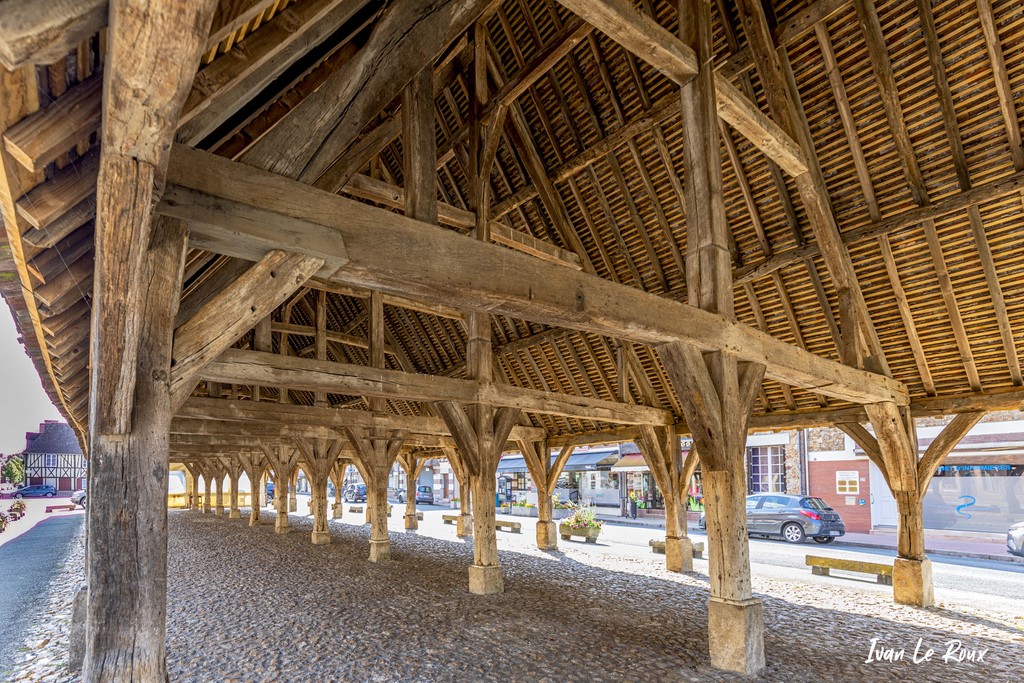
{"points": [[23, 403]]}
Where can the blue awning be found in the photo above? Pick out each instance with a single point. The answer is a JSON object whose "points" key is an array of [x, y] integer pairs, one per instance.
{"points": [[578, 462], [589, 461]]}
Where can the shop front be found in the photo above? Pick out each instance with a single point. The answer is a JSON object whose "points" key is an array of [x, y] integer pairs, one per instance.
{"points": [[639, 492]]}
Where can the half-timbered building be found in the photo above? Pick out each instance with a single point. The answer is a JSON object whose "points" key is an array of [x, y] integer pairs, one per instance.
{"points": [[52, 456]]}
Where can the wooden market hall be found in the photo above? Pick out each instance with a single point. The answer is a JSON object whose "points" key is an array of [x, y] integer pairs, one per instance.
{"points": [[257, 235]]}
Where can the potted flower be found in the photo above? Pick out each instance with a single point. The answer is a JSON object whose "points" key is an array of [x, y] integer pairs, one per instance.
{"points": [[582, 521], [560, 510], [455, 503]]}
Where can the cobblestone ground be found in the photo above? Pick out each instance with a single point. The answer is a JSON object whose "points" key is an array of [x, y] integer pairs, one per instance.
{"points": [[250, 605], [246, 604]]}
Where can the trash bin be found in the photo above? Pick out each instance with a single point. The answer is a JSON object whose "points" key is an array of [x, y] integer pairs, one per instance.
{"points": [[497, 500]]}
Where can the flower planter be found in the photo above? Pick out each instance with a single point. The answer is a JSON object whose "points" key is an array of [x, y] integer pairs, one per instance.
{"points": [[560, 513], [589, 534], [522, 511]]}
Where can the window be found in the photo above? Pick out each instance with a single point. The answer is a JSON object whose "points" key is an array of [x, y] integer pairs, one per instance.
{"points": [[753, 501], [766, 469], [50, 460], [775, 503], [847, 482]]}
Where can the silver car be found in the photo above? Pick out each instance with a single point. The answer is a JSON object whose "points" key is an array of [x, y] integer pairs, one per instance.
{"points": [[1015, 539], [793, 518]]}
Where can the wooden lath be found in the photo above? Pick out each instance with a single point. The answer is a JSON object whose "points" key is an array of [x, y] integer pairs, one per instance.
{"points": [[607, 133]]}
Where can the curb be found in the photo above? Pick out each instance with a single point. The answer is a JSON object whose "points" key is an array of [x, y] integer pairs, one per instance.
{"points": [[947, 553]]}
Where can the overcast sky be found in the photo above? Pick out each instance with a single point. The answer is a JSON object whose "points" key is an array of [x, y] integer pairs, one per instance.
{"points": [[23, 403]]}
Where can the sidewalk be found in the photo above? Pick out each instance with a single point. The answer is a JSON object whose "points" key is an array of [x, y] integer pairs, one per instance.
{"points": [[35, 512], [981, 549]]}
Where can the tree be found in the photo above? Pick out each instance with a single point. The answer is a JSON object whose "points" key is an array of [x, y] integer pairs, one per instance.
{"points": [[14, 470]]}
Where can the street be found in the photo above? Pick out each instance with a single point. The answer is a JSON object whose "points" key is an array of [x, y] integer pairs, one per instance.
{"points": [[986, 586], [29, 563]]}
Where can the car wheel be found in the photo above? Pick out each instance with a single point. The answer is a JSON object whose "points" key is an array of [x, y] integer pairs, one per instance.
{"points": [[49, 495], [82, 503], [824, 539], [400, 499], [18, 495], [793, 533]]}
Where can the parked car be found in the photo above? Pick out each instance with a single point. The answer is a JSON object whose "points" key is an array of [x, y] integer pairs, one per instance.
{"points": [[1015, 539], [78, 498], [793, 518], [36, 491], [425, 495], [355, 493]]}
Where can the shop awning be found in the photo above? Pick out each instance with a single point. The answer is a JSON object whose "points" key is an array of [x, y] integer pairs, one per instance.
{"points": [[586, 461], [634, 462], [577, 462], [512, 465]]}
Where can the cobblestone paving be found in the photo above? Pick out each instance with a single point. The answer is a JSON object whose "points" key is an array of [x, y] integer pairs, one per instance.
{"points": [[250, 605]]}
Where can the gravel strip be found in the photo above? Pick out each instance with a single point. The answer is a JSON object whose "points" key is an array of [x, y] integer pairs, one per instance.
{"points": [[246, 604]]}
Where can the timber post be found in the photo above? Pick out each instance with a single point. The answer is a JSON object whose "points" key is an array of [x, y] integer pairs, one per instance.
{"points": [[218, 483], [320, 457], [338, 478], [545, 475], [662, 452], [894, 450], [716, 390], [413, 466], [207, 492], [293, 496]]}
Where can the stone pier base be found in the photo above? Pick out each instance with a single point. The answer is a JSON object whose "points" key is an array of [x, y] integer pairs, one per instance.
{"points": [[321, 537], [235, 513], [411, 522], [547, 535], [380, 551], [486, 580], [912, 582], [678, 554], [736, 635]]}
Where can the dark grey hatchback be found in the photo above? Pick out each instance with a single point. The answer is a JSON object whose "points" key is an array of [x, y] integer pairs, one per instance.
{"points": [[793, 518]]}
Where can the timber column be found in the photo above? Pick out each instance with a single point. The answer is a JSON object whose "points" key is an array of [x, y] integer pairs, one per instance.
{"points": [[283, 460], [234, 469], [893, 449], [219, 484], [662, 453], [320, 459], [545, 474], [716, 391], [413, 466], [208, 492], [293, 496], [481, 432], [338, 477]]}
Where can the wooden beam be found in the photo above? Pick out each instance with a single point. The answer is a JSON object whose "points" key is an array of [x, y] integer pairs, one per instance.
{"points": [[326, 123], [249, 367], [40, 138], [365, 187], [952, 434], [904, 220], [238, 307], [640, 34], [335, 418], [253, 63], [34, 32], [241, 199]]}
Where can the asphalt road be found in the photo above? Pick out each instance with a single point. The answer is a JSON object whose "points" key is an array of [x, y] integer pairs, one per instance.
{"points": [[28, 564]]}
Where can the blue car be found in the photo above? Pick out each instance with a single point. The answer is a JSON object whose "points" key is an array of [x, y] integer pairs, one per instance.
{"points": [[36, 491]]}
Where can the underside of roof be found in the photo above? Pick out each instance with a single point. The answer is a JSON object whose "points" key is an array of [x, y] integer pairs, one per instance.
{"points": [[912, 108]]}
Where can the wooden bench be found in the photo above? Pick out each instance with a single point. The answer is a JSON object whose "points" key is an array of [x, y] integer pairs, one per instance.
{"points": [[658, 546], [62, 508], [822, 566], [355, 508], [514, 527], [450, 519]]}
